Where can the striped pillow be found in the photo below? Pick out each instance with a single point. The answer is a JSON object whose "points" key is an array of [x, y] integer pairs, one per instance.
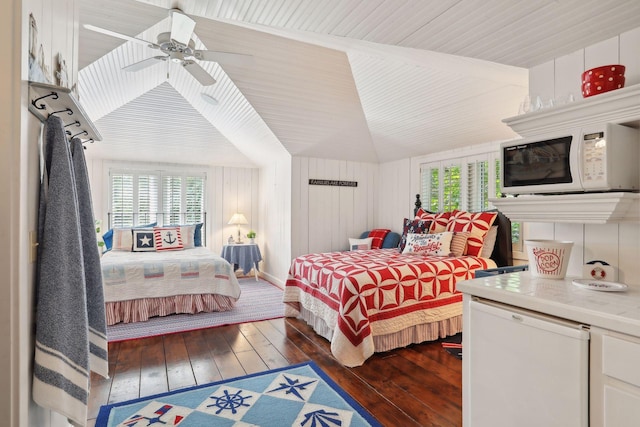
{"points": [[167, 238], [459, 242]]}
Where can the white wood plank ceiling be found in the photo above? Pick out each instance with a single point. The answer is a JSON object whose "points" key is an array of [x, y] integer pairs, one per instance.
{"points": [[363, 80]]}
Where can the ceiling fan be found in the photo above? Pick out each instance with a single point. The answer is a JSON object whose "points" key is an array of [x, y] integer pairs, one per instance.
{"points": [[179, 47]]}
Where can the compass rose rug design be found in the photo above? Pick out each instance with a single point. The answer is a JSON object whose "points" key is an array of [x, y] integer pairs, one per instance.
{"points": [[300, 395]]}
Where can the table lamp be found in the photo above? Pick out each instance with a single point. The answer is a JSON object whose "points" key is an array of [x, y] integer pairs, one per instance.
{"points": [[238, 219]]}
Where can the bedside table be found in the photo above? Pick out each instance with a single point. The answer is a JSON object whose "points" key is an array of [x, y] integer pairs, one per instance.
{"points": [[244, 256]]}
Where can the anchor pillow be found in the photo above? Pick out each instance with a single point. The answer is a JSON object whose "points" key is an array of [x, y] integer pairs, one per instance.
{"points": [[167, 238]]}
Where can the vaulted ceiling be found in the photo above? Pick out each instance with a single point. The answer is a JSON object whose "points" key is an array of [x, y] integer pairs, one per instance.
{"points": [[362, 80]]}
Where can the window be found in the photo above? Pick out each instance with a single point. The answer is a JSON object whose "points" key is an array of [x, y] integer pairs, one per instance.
{"points": [[465, 183], [143, 197]]}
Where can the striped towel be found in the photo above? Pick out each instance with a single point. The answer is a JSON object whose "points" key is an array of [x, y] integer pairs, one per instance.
{"points": [[61, 360]]}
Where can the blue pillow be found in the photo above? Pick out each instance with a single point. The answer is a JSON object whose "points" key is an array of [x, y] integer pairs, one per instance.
{"points": [[197, 237], [108, 239], [108, 236]]}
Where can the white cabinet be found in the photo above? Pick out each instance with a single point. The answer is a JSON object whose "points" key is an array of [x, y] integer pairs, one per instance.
{"points": [[522, 368], [615, 379]]}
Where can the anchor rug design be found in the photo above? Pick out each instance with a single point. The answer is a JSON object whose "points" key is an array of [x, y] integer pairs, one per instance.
{"points": [[300, 395]]}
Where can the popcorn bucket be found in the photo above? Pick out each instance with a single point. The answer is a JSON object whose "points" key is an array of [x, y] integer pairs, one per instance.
{"points": [[548, 258]]}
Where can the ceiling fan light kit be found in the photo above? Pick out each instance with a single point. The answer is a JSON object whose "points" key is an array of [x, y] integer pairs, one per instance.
{"points": [[179, 47]]}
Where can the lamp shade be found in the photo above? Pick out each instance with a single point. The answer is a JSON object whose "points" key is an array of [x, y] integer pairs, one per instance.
{"points": [[238, 218]]}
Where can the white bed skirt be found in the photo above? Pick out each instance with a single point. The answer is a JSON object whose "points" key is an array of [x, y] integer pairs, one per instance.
{"points": [[412, 335], [139, 310]]}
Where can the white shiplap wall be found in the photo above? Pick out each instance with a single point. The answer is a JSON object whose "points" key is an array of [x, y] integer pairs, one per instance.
{"points": [[325, 217], [617, 244]]}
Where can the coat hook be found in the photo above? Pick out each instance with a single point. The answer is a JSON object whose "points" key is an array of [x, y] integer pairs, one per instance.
{"points": [[66, 110], [77, 123], [88, 140], [84, 132], [43, 106]]}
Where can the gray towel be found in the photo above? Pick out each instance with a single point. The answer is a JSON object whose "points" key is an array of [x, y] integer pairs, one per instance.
{"points": [[98, 361], [61, 361]]}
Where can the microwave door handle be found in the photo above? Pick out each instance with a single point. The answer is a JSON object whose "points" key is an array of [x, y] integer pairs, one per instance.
{"points": [[579, 159]]}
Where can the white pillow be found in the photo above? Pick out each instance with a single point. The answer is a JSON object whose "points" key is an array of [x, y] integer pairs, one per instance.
{"points": [[187, 233], [438, 244], [360, 244], [489, 242], [122, 240]]}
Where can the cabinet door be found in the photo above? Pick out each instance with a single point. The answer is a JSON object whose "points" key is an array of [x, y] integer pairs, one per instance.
{"points": [[614, 379], [621, 408]]}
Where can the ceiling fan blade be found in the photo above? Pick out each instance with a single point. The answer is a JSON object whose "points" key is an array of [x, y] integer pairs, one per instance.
{"points": [[228, 58], [140, 65], [181, 27], [199, 73], [120, 36]]}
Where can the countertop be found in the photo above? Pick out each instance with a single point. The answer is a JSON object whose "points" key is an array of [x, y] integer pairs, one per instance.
{"points": [[616, 311]]}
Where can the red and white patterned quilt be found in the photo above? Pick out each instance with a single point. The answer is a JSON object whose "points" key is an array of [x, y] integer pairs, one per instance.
{"points": [[364, 293]]}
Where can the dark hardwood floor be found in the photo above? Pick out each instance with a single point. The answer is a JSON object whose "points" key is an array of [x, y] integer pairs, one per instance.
{"points": [[415, 386]]}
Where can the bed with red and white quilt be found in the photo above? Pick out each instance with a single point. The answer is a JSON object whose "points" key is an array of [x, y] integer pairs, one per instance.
{"points": [[366, 301]]}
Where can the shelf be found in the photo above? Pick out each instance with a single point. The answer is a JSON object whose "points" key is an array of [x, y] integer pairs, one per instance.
{"points": [[620, 106], [44, 102], [587, 208]]}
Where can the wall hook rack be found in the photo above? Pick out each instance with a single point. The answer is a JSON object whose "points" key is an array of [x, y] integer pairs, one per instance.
{"points": [[84, 133], [49, 99]]}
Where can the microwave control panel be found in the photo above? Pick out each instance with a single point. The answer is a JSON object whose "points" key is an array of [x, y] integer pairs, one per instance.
{"points": [[594, 167]]}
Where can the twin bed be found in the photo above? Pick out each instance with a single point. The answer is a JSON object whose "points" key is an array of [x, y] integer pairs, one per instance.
{"points": [[366, 301], [144, 277]]}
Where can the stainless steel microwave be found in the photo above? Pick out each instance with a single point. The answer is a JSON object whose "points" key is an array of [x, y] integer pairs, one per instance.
{"points": [[595, 158]]}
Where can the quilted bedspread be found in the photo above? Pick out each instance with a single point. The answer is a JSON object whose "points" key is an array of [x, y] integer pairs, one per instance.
{"points": [[364, 293], [134, 275]]}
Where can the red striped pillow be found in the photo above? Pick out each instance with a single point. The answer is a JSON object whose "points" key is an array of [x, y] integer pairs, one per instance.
{"points": [[378, 235], [167, 238], [477, 223], [459, 242]]}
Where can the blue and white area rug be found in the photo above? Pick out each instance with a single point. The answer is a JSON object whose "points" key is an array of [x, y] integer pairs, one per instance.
{"points": [[301, 395], [258, 301]]}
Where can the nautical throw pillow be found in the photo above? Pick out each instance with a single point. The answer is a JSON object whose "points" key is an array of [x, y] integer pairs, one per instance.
{"points": [[143, 240], [429, 244], [360, 244], [167, 238]]}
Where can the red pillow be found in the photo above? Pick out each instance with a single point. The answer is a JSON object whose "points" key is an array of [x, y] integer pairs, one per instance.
{"points": [[476, 223], [439, 220], [378, 235]]}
